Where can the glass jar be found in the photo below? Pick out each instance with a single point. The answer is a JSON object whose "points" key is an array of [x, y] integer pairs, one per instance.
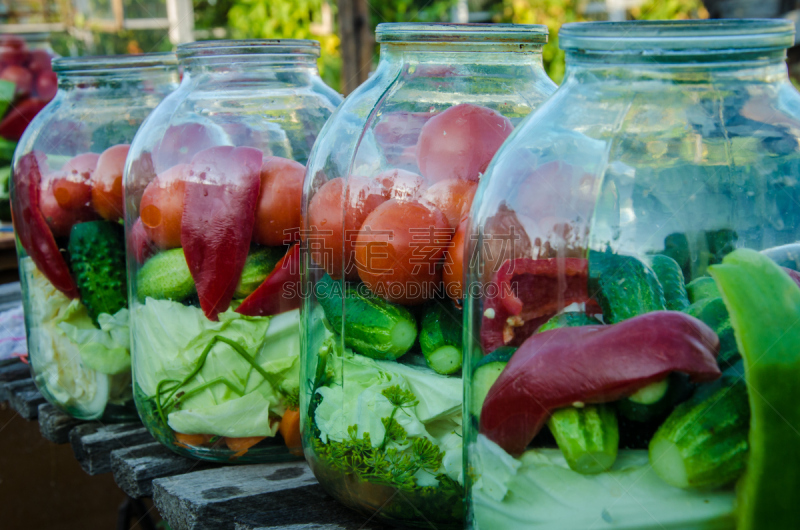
{"points": [[27, 83], [213, 194], [66, 194], [387, 188], [613, 346]]}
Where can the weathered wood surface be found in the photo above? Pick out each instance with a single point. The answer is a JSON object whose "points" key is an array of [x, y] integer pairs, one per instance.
{"points": [[12, 370], [92, 443], [249, 497], [24, 398], [134, 468], [56, 425]]}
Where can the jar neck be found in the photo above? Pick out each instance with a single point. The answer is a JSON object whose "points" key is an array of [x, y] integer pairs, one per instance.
{"points": [[768, 67], [462, 53], [115, 78], [247, 65]]}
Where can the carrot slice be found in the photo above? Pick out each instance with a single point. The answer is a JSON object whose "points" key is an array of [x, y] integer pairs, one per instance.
{"points": [[190, 440], [242, 445], [290, 430]]}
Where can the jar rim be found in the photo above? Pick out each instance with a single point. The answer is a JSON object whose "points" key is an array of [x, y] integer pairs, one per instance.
{"points": [[677, 36], [473, 33], [226, 48], [100, 63]]}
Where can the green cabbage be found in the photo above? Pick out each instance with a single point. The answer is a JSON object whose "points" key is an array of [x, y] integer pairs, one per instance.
{"points": [[227, 396], [361, 402], [540, 490]]}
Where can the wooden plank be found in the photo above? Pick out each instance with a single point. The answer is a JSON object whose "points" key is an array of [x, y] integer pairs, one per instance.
{"points": [[92, 443], [55, 424], [135, 468], [24, 398], [255, 496], [14, 370]]}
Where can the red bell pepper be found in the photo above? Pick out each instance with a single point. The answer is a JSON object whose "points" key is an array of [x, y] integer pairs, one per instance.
{"points": [[217, 223], [141, 247], [592, 364], [793, 274], [31, 227], [18, 118], [525, 293], [280, 290]]}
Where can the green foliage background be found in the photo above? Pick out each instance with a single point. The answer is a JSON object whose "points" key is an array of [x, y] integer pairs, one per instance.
{"points": [[298, 19]]}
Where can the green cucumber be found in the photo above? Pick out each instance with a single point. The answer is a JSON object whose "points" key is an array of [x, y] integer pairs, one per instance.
{"points": [[587, 436], [259, 264], [623, 286], [486, 372], [670, 276], [372, 327], [714, 314], [655, 400], [701, 288], [568, 320], [97, 257], [165, 276], [703, 443], [440, 336]]}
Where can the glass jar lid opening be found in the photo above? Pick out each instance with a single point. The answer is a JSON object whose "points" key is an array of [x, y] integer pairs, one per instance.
{"points": [[461, 33], [677, 37], [274, 49], [112, 63]]}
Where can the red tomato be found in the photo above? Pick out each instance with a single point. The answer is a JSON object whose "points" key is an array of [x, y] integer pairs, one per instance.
{"points": [[46, 85], [140, 243], [330, 238], [180, 143], [398, 249], [13, 50], [39, 61], [72, 188], [453, 197], [396, 134], [278, 212], [59, 219], [401, 184], [161, 208], [453, 270], [21, 77], [460, 142], [107, 182]]}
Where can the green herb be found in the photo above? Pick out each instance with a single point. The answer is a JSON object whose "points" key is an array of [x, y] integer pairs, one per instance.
{"points": [[169, 395]]}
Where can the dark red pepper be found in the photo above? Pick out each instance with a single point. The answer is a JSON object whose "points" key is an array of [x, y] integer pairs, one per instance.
{"points": [[592, 364], [31, 227], [279, 292], [525, 293], [18, 118], [793, 274], [141, 247], [217, 222]]}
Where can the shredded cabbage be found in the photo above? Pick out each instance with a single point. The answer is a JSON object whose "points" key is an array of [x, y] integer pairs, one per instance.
{"points": [[169, 339]]}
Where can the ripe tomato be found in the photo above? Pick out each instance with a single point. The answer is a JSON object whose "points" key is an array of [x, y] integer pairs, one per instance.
{"points": [[139, 244], [278, 216], [21, 77], [453, 270], [400, 184], [39, 61], [72, 187], [60, 219], [161, 208], [453, 197], [331, 238], [460, 142], [398, 249], [46, 85], [107, 182]]}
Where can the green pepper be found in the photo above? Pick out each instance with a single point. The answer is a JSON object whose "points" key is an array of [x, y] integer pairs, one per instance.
{"points": [[764, 307]]}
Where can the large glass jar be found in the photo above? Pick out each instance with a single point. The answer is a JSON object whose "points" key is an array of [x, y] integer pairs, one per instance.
{"points": [[27, 83], [387, 189], [213, 198], [652, 202], [66, 195]]}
